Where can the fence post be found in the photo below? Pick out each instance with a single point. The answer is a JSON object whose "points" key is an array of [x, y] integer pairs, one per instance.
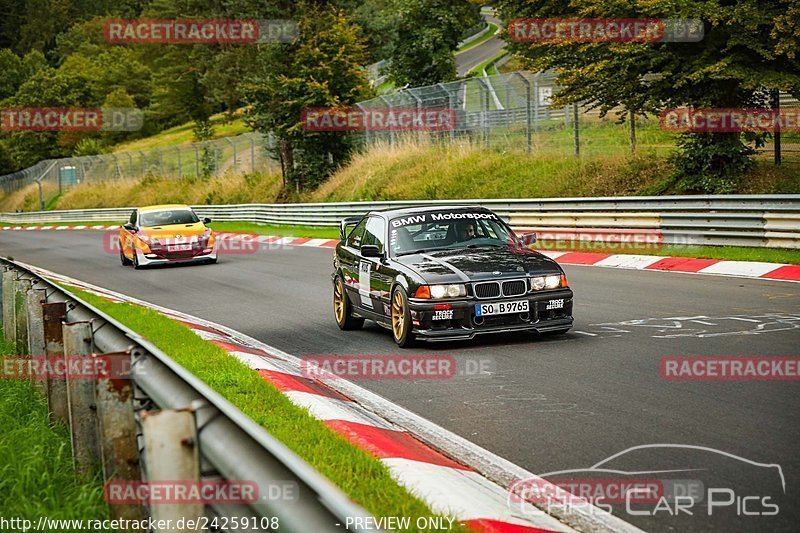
{"points": [[536, 103], [9, 313], [36, 347], [21, 287], [196, 161], [233, 144], [180, 170], [78, 343], [575, 128], [527, 107], [130, 163], [144, 164], [366, 125], [216, 160], [776, 134], [170, 449], [391, 130], [53, 314], [633, 132], [252, 154], [117, 431]]}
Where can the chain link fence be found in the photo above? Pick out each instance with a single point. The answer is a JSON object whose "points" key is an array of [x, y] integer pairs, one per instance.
{"points": [[511, 111], [240, 154], [515, 111]]}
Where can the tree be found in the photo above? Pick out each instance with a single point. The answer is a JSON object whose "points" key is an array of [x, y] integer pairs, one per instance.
{"points": [[427, 34], [322, 68], [749, 48]]}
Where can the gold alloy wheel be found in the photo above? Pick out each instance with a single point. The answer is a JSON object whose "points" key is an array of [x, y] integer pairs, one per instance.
{"points": [[338, 302], [398, 315]]}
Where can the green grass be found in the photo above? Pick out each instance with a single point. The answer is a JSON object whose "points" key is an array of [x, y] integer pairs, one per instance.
{"points": [[365, 479], [490, 31], [723, 253], [478, 70], [36, 473], [184, 134]]}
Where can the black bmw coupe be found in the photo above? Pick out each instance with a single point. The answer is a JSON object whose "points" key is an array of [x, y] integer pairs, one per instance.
{"points": [[445, 273]]}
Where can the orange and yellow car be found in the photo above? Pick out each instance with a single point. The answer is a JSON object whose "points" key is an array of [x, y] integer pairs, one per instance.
{"points": [[160, 234]]}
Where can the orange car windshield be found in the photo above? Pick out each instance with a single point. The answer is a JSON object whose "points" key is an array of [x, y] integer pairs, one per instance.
{"points": [[166, 218]]}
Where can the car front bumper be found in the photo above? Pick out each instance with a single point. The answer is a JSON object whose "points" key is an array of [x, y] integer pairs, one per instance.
{"points": [[163, 259], [464, 324]]}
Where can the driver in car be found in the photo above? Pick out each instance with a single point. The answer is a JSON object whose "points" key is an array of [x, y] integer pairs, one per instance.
{"points": [[466, 231]]}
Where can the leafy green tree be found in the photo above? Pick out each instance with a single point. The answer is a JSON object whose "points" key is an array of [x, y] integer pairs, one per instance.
{"points": [[427, 34], [749, 48], [322, 68]]}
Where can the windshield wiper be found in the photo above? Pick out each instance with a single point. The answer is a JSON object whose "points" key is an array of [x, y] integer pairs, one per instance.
{"points": [[420, 251], [489, 245]]}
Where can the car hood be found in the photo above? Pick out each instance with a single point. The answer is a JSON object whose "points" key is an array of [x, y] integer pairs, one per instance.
{"points": [[173, 231], [463, 265]]}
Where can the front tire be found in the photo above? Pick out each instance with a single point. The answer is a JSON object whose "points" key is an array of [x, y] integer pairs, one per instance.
{"points": [[401, 319], [122, 259], [343, 309]]}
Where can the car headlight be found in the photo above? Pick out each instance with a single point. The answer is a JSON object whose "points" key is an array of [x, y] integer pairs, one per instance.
{"points": [[442, 291], [552, 282], [538, 283]]}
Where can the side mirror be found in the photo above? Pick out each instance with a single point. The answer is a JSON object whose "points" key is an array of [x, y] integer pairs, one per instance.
{"points": [[370, 250], [130, 227], [206, 220]]}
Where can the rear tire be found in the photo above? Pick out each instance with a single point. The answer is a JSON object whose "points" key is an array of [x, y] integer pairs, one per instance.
{"points": [[343, 309], [401, 319], [122, 259]]}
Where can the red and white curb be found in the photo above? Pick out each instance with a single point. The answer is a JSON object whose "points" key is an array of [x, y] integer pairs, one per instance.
{"points": [[455, 477], [685, 265]]}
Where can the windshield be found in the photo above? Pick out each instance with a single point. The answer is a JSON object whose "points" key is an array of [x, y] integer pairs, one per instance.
{"points": [[425, 232], [168, 217]]}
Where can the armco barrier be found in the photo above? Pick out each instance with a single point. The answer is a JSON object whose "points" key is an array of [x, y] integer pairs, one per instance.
{"points": [[740, 220], [117, 417]]}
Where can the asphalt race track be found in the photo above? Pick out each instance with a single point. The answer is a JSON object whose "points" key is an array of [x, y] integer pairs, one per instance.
{"points": [[550, 404]]}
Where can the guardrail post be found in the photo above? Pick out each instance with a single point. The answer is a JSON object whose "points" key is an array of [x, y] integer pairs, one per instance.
{"points": [[80, 398], [36, 346], [53, 314], [21, 287], [9, 314], [171, 452], [117, 431]]}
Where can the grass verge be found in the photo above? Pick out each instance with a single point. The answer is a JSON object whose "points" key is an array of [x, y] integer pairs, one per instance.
{"points": [[364, 478], [722, 253], [36, 473], [489, 32]]}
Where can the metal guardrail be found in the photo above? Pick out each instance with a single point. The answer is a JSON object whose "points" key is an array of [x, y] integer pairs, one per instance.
{"points": [[736, 220], [45, 319]]}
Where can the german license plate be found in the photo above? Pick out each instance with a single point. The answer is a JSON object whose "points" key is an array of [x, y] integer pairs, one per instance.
{"points": [[179, 247], [502, 308]]}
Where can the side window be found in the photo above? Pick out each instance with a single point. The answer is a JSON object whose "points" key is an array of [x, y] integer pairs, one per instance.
{"points": [[374, 232], [357, 235], [133, 217]]}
